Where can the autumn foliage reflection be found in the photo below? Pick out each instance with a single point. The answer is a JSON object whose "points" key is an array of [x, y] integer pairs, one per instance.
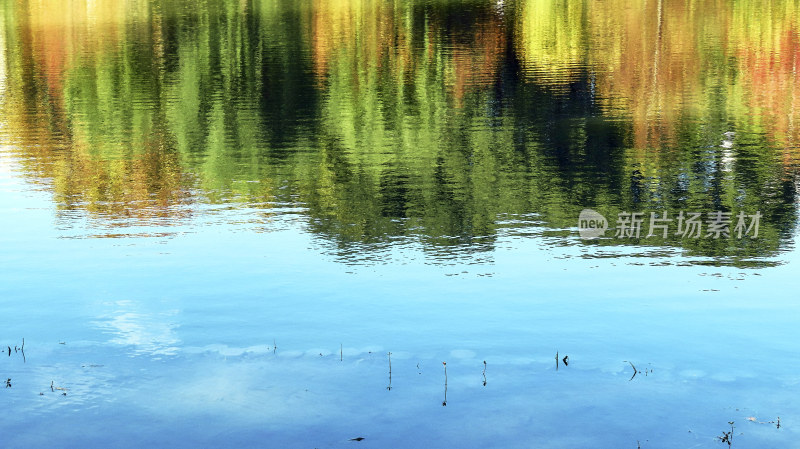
{"points": [[387, 118]]}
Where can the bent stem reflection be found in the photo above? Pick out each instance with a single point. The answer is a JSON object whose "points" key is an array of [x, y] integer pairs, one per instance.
{"points": [[18, 349], [635, 371]]}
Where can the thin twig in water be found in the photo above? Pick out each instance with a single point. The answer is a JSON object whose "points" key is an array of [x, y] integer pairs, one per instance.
{"points": [[484, 373], [444, 403]]}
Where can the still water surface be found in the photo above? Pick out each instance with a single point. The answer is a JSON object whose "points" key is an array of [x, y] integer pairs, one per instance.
{"points": [[291, 224]]}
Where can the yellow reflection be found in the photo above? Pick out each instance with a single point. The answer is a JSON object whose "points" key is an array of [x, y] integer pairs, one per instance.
{"points": [[552, 39]]}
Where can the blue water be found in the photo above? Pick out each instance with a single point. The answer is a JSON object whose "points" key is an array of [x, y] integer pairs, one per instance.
{"points": [[227, 330]]}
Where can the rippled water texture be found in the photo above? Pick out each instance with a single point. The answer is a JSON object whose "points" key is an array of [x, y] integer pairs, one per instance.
{"points": [[331, 223]]}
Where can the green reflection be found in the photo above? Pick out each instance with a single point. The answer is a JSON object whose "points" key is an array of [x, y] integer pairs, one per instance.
{"points": [[438, 121]]}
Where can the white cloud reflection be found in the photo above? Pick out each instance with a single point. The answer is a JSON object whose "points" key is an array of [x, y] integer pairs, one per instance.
{"points": [[146, 332]]}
